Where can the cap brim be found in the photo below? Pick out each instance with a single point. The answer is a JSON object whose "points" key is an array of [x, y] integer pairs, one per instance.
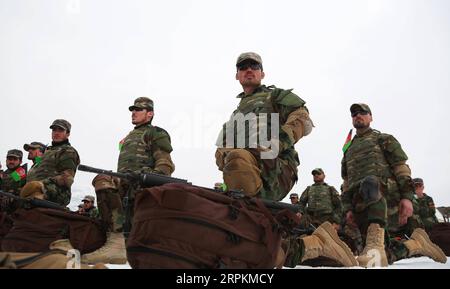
{"points": [[26, 147], [56, 125]]}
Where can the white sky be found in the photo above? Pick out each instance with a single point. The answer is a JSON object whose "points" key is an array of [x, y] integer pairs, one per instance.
{"points": [[86, 61]]}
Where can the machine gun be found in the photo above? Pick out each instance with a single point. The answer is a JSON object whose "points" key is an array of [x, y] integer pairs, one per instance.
{"points": [[148, 180], [32, 203]]}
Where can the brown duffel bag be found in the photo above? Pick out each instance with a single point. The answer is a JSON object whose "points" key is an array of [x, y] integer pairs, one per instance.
{"points": [[440, 235], [183, 226], [34, 230], [5, 226]]}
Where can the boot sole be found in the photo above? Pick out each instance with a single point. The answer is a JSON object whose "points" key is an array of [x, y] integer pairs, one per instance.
{"points": [[329, 229]]}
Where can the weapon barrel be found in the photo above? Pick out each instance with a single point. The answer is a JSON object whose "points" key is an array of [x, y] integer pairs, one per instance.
{"points": [[34, 202], [103, 172]]}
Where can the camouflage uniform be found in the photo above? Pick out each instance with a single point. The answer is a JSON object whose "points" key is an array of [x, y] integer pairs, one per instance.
{"points": [[57, 169], [321, 203], [278, 175], [109, 202], [35, 145], [376, 160], [426, 210], [12, 184], [146, 149]]}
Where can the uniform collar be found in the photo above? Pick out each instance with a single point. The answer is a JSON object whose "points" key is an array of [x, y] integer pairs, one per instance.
{"points": [[56, 144], [368, 131], [260, 88], [143, 124]]}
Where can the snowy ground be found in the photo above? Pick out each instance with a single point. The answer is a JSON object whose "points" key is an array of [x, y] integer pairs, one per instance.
{"points": [[413, 263]]}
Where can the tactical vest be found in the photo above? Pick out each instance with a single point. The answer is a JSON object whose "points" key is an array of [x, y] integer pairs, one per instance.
{"points": [[136, 154], [365, 157], [264, 101], [319, 199], [48, 167]]}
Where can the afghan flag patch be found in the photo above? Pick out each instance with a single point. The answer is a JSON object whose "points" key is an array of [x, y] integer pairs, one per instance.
{"points": [[348, 142], [19, 174], [121, 144]]}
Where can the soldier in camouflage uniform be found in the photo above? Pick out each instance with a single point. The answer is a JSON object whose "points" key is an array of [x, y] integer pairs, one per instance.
{"points": [[146, 149], [56, 170], [243, 167], [35, 153], [90, 209], [377, 193], [268, 168], [12, 180], [294, 198], [425, 205], [321, 202]]}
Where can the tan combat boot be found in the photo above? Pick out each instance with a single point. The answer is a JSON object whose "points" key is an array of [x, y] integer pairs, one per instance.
{"points": [[420, 244], [112, 252], [62, 244], [374, 253], [325, 242]]}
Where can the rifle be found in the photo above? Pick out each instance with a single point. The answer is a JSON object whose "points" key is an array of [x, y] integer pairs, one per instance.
{"points": [[149, 180], [33, 203]]}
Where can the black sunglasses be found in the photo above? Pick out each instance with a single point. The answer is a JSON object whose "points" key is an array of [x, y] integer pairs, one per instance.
{"points": [[359, 112], [252, 66], [137, 109]]}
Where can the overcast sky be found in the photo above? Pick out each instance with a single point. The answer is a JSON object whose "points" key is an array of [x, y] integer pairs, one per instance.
{"points": [[86, 61]]}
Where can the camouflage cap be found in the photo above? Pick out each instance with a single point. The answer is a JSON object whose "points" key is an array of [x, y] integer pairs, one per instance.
{"points": [[317, 170], [142, 102], [249, 55], [34, 145], [15, 153], [293, 195], [61, 123], [88, 198], [360, 107], [417, 181]]}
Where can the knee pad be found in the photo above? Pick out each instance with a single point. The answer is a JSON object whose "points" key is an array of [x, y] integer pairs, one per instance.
{"points": [[240, 172], [370, 190]]}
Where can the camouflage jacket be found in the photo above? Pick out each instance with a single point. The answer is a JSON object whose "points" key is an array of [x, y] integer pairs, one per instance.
{"points": [[425, 208], [146, 148], [92, 213], [9, 184], [377, 154], [267, 100], [321, 198], [57, 171]]}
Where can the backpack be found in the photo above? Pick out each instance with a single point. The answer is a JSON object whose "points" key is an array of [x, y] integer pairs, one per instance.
{"points": [[440, 235], [5, 225], [185, 227], [34, 230]]}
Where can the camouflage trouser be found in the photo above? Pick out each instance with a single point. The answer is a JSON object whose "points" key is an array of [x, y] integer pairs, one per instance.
{"points": [[110, 208], [401, 232], [294, 250], [316, 219], [278, 177], [57, 194]]}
